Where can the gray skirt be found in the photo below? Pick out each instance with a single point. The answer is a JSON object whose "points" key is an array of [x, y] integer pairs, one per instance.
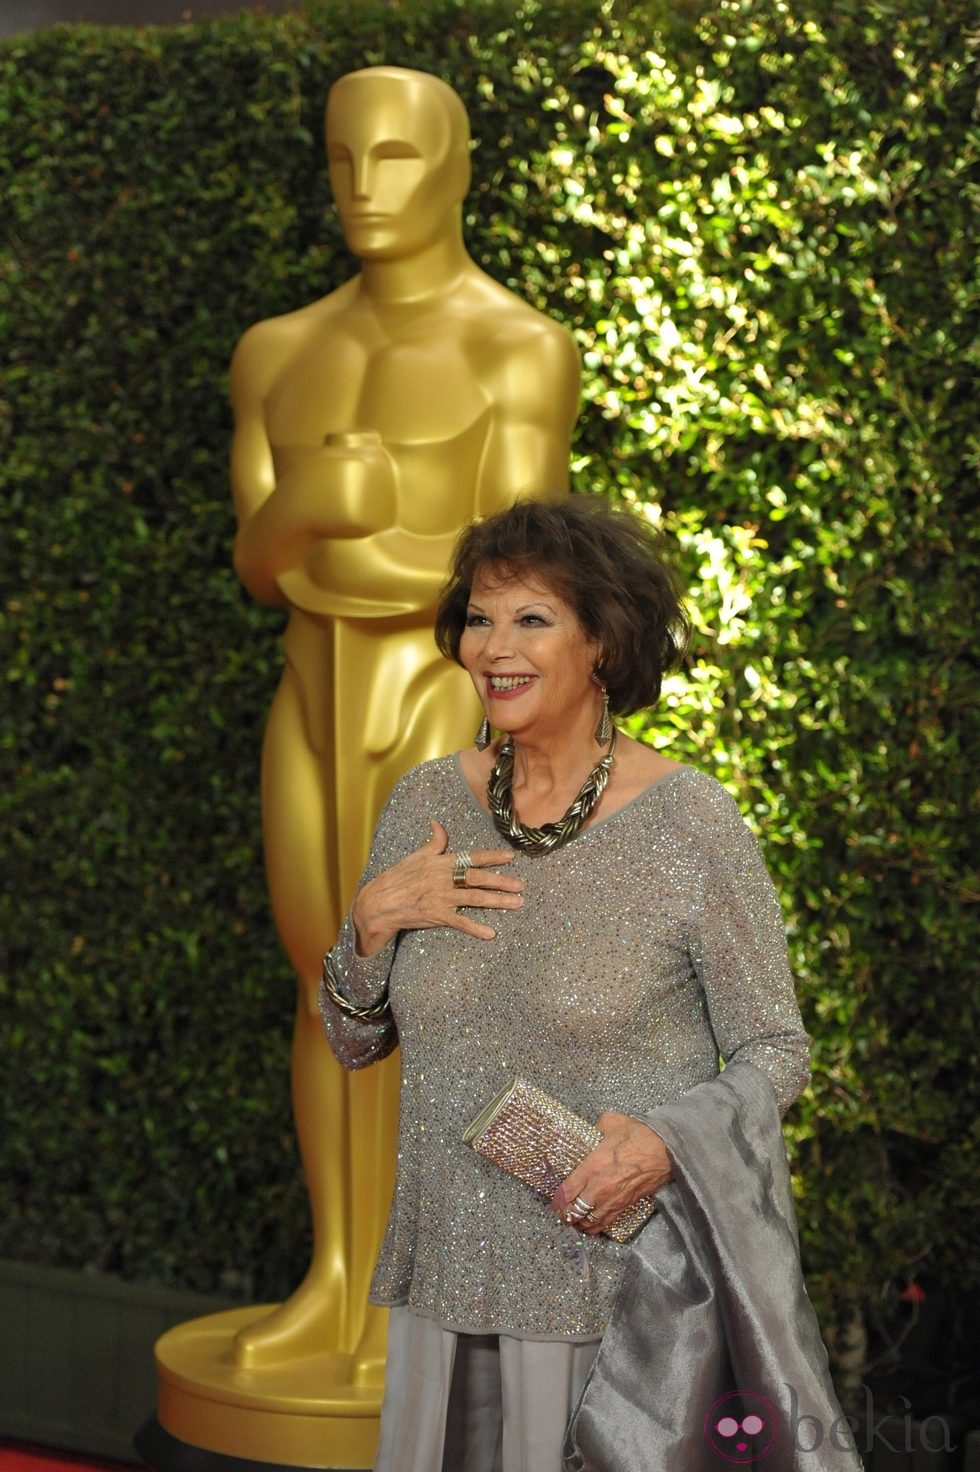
{"points": [[476, 1402]]}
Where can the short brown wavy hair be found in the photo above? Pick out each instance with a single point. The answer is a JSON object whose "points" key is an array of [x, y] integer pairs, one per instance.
{"points": [[606, 563]]}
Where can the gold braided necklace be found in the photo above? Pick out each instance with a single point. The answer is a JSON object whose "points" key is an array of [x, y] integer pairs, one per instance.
{"points": [[550, 835]]}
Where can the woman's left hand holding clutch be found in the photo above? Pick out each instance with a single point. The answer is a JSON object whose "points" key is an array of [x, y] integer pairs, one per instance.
{"points": [[631, 1161]]}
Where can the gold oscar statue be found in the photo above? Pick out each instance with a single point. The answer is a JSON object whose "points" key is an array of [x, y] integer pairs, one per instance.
{"points": [[370, 426]]}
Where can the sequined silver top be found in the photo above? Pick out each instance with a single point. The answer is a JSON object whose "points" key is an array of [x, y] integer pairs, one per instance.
{"points": [[645, 947]]}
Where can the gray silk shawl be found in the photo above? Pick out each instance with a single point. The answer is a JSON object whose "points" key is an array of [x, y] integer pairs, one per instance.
{"points": [[713, 1302]]}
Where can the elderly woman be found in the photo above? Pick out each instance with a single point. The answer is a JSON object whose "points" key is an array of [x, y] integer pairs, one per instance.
{"points": [[565, 904]]}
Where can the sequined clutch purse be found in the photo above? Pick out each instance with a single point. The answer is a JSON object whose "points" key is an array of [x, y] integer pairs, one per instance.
{"points": [[540, 1141]]}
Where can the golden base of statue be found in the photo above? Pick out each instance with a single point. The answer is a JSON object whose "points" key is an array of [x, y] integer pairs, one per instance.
{"points": [[318, 1411]]}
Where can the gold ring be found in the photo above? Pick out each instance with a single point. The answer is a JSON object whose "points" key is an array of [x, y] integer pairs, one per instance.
{"points": [[464, 861]]}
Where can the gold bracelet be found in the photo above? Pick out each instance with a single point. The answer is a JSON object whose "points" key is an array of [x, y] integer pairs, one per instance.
{"points": [[377, 1012]]}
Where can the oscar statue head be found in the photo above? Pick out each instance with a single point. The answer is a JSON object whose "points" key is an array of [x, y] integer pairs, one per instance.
{"points": [[398, 153]]}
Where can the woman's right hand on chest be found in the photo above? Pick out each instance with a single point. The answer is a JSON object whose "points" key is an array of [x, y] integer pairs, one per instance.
{"points": [[418, 893]]}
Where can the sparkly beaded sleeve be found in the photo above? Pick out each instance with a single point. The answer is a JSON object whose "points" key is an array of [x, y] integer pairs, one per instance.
{"points": [[738, 948], [356, 1044]]}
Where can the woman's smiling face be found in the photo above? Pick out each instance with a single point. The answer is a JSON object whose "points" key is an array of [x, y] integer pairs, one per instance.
{"points": [[528, 655]]}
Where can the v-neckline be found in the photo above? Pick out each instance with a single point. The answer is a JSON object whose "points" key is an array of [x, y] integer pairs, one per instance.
{"points": [[583, 832]]}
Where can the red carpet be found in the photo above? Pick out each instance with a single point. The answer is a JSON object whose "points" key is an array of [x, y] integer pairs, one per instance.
{"points": [[16, 1457]]}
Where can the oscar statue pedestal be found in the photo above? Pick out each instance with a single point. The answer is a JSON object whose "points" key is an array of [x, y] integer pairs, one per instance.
{"points": [[307, 1412]]}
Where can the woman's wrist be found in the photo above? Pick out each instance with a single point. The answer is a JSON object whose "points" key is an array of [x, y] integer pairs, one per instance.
{"points": [[370, 934], [660, 1158]]}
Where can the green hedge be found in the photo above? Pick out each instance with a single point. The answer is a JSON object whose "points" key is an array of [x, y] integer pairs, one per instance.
{"points": [[755, 219]]}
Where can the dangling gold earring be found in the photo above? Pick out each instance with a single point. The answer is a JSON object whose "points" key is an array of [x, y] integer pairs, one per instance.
{"points": [[603, 730], [483, 735]]}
